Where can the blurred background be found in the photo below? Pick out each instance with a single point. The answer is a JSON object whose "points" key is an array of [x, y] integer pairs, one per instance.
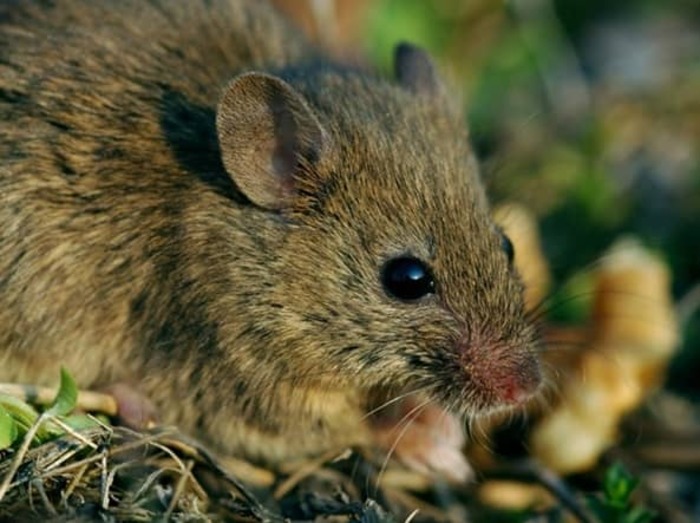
{"points": [[587, 111]]}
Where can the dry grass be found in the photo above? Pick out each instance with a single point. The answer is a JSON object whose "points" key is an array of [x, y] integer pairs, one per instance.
{"points": [[116, 474], [125, 475]]}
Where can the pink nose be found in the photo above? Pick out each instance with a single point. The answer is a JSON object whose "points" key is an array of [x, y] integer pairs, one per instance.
{"points": [[517, 387], [505, 374]]}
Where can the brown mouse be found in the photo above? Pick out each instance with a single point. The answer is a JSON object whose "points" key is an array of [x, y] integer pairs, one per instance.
{"points": [[270, 246]]}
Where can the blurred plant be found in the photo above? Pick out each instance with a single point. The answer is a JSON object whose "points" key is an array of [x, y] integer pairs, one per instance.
{"points": [[615, 504]]}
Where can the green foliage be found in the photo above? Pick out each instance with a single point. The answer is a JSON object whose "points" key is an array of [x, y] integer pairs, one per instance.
{"points": [[24, 414], [67, 396], [8, 429], [416, 21], [17, 417], [615, 504]]}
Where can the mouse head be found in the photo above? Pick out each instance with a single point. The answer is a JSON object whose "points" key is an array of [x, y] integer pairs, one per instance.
{"points": [[389, 272]]}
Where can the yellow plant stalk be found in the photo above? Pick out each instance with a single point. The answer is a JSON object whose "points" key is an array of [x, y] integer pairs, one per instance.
{"points": [[520, 225], [633, 333]]}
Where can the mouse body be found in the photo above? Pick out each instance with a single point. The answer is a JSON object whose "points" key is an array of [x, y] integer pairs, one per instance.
{"points": [[274, 248]]}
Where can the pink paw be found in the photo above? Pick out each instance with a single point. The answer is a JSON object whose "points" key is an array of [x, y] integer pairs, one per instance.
{"points": [[133, 408], [427, 439]]}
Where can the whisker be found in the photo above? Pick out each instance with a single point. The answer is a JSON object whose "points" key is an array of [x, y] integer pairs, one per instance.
{"points": [[398, 398], [406, 421], [564, 347], [559, 297], [553, 303], [582, 272]]}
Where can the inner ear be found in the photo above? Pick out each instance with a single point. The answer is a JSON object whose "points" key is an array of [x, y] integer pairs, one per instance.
{"points": [[268, 136]]}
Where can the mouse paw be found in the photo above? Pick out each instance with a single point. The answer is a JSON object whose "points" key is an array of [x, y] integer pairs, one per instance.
{"points": [[427, 439], [134, 410]]}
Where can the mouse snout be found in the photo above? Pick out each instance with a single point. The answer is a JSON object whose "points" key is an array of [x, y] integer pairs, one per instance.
{"points": [[501, 374], [519, 384]]}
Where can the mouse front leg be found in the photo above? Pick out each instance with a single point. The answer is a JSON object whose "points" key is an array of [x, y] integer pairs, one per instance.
{"points": [[134, 409], [423, 436]]}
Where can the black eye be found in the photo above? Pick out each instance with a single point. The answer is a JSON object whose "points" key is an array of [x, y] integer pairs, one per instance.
{"points": [[407, 278], [508, 248]]}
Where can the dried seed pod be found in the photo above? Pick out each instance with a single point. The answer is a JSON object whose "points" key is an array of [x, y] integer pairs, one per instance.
{"points": [[520, 225], [514, 495], [633, 334]]}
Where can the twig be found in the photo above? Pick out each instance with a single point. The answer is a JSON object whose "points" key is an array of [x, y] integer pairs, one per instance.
{"points": [[87, 400], [75, 480], [147, 483], [96, 457], [556, 486], [65, 456], [303, 472], [179, 489], [69, 430], [44, 498], [197, 451], [105, 481], [530, 471]]}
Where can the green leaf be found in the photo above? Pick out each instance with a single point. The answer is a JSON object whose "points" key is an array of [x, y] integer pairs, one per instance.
{"points": [[640, 515], [80, 422], [47, 432], [603, 511], [8, 429], [618, 485], [67, 396], [23, 413], [614, 505]]}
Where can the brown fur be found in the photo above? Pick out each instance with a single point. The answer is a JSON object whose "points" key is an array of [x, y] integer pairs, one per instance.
{"points": [[132, 248]]}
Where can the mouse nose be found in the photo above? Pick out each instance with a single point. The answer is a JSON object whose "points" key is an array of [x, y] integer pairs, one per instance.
{"points": [[518, 385], [503, 374]]}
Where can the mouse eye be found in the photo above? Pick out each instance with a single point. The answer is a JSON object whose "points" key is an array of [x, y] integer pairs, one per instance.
{"points": [[508, 248], [407, 278]]}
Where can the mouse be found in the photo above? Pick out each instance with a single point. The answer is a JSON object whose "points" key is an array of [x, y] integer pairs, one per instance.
{"points": [[283, 254]]}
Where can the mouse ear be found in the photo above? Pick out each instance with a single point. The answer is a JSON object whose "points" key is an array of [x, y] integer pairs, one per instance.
{"points": [[266, 132], [415, 70]]}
